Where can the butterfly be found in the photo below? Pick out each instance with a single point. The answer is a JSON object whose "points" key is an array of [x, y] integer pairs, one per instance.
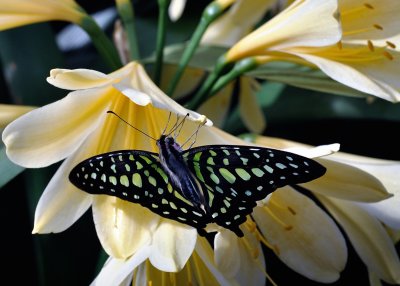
{"points": [[207, 184]]}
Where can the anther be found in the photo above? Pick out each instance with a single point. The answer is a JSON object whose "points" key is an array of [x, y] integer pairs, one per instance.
{"points": [[388, 55], [150, 283], [370, 46], [376, 26], [390, 45], [369, 6], [339, 45]]}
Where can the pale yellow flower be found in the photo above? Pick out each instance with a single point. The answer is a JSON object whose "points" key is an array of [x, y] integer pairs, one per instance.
{"points": [[308, 32], [363, 181], [17, 13], [78, 127]]}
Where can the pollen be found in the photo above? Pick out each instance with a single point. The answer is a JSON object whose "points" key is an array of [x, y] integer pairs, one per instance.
{"points": [[378, 27], [292, 211]]}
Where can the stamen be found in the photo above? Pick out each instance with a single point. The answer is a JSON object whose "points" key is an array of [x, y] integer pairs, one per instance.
{"points": [[390, 45], [388, 55], [248, 246], [189, 273], [250, 225], [369, 6], [376, 26], [370, 46], [339, 45], [276, 250], [272, 203], [150, 283]]}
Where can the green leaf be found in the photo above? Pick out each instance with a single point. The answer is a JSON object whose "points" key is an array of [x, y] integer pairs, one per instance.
{"points": [[8, 169]]}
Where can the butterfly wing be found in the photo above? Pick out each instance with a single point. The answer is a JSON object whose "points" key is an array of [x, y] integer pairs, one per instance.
{"points": [[136, 176], [235, 177]]}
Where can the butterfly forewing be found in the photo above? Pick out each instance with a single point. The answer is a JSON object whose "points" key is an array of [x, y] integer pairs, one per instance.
{"points": [[136, 176]]}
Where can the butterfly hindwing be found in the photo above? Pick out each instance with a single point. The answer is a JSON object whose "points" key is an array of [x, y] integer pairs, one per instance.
{"points": [[238, 176], [136, 176]]}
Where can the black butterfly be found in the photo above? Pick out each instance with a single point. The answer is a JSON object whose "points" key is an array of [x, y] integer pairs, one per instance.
{"points": [[201, 185]]}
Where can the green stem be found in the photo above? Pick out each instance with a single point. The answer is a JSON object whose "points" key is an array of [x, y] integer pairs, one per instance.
{"points": [[240, 68], [202, 93], [161, 33], [127, 14], [211, 12], [102, 43]]}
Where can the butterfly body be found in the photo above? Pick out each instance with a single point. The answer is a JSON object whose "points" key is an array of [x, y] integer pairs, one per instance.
{"points": [[208, 184]]}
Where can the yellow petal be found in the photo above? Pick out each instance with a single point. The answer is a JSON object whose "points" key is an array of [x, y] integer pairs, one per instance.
{"points": [[115, 271], [310, 23], [304, 237], [78, 79], [49, 134], [172, 245], [22, 12], [61, 204], [236, 22], [347, 182], [9, 112], [122, 227], [370, 72], [358, 18], [368, 237]]}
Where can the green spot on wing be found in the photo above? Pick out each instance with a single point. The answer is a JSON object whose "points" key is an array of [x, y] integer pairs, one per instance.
{"points": [[137, 180], [227, 175], [242, 173]]}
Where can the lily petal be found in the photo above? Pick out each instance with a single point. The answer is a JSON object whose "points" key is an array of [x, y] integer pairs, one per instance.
{"points": [[115, 271], [347, 182], [61, 204], [226, 249], [310, 23], [78, 79], [174, 244], [122, 227], [34, 140], [288, 220], [368, 237]]}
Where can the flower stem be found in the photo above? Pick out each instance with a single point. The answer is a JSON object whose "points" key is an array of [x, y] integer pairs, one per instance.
{"points": [[161, 33], [103, 44], [210, 13], [240, 68], [125, 10]]}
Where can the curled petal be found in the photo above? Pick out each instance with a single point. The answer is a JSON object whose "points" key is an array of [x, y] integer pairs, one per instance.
{"points": [[303, 236], [78, 79], [368, 237], [173, 244]]}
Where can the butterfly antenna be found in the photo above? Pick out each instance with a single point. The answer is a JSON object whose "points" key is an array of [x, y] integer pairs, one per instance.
{"points": [[112, 112], [195, 136], [166, 125]]}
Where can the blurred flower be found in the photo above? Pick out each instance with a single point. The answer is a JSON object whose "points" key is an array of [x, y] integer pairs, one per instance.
{"points": [[308, 32], [364, 181], [23, 12]]}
